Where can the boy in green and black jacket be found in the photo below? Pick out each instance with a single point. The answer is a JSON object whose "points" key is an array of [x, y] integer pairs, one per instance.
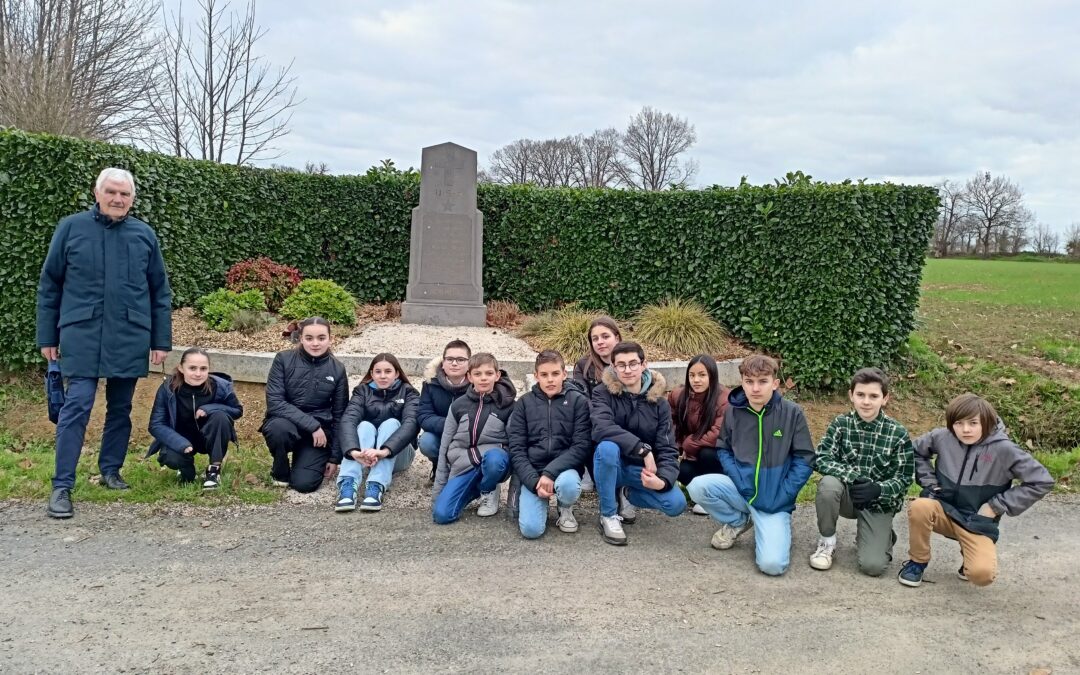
{"points": [[867, 461]]}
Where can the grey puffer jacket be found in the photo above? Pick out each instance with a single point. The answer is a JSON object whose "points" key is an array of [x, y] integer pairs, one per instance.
{"points": [[965, 477], [475, 425]]}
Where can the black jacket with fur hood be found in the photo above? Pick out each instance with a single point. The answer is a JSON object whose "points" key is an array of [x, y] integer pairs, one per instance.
{"points": [[628, 420]]}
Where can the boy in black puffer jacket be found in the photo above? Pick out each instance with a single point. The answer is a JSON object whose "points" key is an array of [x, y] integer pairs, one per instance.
{"points": [[473, 460], [549, 439], [636, 463]]}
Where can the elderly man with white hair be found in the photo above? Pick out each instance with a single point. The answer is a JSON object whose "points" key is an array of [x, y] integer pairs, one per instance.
{"points": [[103, 306]]}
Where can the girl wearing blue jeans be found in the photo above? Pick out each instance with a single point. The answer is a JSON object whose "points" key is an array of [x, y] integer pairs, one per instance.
{"points": [[377, 433]]}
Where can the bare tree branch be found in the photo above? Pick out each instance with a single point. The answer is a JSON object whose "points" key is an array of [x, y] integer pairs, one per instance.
{"points": [[218, 99], [996, 203], [651, 146]]}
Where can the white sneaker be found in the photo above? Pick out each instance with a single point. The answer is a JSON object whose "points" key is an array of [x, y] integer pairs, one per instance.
{"points": [[567, 522], [699, 510], [627, 510], [489, 504], [725, 537], [821, 559], [612, 531], [587, 484]]}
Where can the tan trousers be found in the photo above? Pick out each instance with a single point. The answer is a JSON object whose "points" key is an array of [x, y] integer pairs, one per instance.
{"points": [[925, 515]]}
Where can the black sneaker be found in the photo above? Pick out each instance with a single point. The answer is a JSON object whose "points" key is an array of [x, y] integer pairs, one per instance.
{"points": [[431, 478], [213, 478], [60, 504], [960, 573]]}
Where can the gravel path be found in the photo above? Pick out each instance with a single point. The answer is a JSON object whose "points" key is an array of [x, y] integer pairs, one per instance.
{"points": [[176, 589], [415, 340]]}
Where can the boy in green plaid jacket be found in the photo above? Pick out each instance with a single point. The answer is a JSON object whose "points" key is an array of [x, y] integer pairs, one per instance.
{"points": [[866, 461]]}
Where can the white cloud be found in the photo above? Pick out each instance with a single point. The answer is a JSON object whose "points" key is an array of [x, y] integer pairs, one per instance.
{"points": [[912, 91]]}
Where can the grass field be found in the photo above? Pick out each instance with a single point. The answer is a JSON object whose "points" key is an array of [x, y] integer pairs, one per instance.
{"points": [[1029, 285]]}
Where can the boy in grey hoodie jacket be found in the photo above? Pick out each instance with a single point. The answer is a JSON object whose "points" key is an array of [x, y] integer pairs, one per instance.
{"points": [[968, 489]]}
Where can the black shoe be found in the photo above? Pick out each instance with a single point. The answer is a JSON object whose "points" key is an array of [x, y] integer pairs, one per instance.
{"points": [[431, 478], [213, 478], [60, 504], [114, 482]]}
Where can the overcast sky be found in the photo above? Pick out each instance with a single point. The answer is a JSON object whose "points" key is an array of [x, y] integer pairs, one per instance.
{"points": [[905, 91]]}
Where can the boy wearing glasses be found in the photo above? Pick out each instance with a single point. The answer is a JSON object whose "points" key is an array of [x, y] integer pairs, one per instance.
{"points": [[445, 379], [767, 455], [636, 463]]}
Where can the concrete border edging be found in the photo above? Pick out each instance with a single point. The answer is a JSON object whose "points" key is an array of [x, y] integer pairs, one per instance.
{"points": [[255, 366]]}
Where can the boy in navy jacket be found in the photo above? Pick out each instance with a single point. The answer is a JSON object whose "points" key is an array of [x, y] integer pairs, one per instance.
{"points": [[767, 454]]}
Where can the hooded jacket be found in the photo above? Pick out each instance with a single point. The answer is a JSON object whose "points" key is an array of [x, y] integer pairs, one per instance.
{"points": [[474, 425], [436, 396], [310, 392], [629, 419], [769, 455], [163, 416], [103, 296], [370, 404], [688, 444], [549, 435], [972, 475]]}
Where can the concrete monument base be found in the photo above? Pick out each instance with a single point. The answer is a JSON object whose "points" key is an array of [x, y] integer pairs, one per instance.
{"points": [[443, 314]]}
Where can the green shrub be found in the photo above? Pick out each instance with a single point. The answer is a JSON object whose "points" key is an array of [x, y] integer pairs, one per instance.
{"points": [[565, 330], [217, 309], [825, 275], [679, 325], [250, 321], [320, 297]]}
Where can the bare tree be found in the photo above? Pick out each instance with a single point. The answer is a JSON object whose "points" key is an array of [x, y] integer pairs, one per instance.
{"points": [[1044, 240], [651, 146], [996, 203], [77, 67], [217, 98], [596, 158], [317, 169], [552, 163], [513, 163], [1072, 241], [954, 215]]}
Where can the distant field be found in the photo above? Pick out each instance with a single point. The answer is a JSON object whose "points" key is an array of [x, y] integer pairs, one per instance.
{"points": [[1037, 285]]}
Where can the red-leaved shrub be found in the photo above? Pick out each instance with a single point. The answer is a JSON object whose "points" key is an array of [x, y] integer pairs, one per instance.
{"points": [[274, 280]]}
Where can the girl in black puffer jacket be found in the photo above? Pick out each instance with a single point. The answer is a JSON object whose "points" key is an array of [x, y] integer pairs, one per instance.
{"points": [[377, 432], [306, 394]]}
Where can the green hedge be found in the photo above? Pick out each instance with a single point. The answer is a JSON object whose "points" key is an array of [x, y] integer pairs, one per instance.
{"points": [[826, 275]]}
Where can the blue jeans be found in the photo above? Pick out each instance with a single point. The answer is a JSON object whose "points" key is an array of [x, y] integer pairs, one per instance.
{"points": [[384, 469], [460, 490], [71, 426], [717, 494], [533, 511], [429, 446], [610, 474]]}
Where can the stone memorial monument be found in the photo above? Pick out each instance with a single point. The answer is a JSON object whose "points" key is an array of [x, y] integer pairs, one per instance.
{"points": [[446, 243]]}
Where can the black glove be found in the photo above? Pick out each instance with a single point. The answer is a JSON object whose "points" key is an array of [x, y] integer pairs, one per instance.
{"points": [[864, 492]]}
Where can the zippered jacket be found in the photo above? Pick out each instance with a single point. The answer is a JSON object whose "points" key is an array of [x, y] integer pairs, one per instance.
{"points": [[475, 425], [629, 419], [310, 392], [370, 404], [768, 454], [163, 415], [549, 435], [436, 396], [972, 475]]}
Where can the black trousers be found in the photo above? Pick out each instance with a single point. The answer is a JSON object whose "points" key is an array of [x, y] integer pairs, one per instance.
{"points": [[215, 430], [305, 474], [707, 462]]}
